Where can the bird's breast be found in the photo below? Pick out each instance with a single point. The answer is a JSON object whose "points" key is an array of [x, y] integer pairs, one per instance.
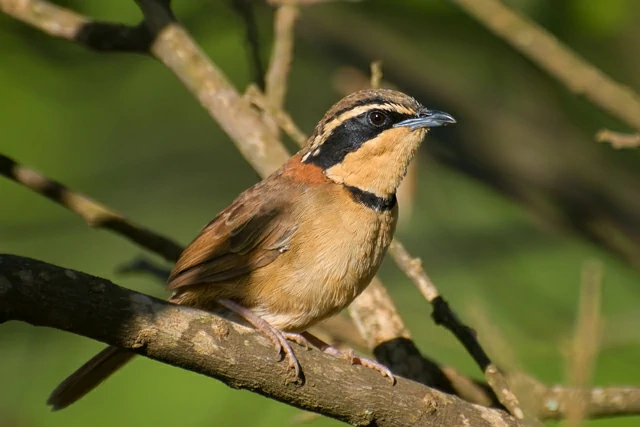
{"points": [[335, 252]]}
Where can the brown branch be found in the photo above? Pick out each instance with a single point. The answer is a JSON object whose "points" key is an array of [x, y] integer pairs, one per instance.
{"points": [[245, 8], [558, 60], [65, 24], [618, 140], [45, 295], [281, 55], [376, 74], [584, 349], [277, 115], [554, 403], [93, 213], [444, 316], [280, 63], [174, 47]]}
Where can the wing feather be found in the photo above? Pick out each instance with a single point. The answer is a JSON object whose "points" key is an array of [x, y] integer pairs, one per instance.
{"points": [[251, 233]]}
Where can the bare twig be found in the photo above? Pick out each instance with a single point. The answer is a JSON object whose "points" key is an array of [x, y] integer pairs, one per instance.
{"points": [[45, 295], [376, 74], [279, 116], [93, 213], [245, 9], [443, 315], [618, 140], [584, 348], [281, 55], [578, 75], [280, 64]]}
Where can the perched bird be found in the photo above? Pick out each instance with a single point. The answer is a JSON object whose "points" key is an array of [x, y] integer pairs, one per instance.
{"points": [[302, 244]]}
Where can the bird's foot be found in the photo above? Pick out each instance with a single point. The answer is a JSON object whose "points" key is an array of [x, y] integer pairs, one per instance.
{"points": [[297, 338], [277, 337], [350, 356]]}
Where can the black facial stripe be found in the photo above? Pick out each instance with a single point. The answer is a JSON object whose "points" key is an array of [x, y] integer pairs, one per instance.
{"points": [[370, 200], [349, 137]]}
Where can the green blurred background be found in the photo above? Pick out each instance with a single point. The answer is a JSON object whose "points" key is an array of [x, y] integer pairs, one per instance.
{"points": [[509, 203]]}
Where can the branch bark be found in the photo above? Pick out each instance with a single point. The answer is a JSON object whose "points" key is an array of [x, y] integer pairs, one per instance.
{"points": [[45, 295]]}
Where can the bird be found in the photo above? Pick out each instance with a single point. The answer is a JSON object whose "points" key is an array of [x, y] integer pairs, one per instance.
{"points": [[303, 243]]}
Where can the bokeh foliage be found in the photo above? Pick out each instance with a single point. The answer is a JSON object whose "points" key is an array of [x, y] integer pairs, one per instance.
{"points": [[123, 130]]}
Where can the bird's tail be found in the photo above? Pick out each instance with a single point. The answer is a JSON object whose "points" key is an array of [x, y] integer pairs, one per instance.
{"points": [[88, 377]]}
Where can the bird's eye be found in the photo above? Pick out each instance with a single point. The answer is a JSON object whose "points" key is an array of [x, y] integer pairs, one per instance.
{"points": [[378, 118]]}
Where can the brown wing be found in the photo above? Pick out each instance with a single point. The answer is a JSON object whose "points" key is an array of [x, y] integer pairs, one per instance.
{"points": [[252, 232]]}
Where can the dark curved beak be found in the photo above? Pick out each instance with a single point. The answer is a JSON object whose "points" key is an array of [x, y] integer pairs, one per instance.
{"points": [[427, 119]]}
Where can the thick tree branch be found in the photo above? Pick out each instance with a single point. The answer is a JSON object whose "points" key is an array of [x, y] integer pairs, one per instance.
{"points": [[45, 295]]}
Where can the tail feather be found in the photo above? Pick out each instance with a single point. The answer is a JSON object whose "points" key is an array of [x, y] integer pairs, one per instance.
{"points": [[88, 377]]}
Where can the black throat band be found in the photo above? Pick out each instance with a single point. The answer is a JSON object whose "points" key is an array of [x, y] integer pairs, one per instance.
{"points": [[370, 200]]}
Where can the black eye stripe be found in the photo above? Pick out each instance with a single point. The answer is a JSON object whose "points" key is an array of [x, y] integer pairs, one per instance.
{"points": [[350, 136]]}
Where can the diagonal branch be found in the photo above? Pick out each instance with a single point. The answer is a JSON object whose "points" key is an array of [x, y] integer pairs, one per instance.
{"points": [[558, 60], [66, 24], [444, 316], [45, 295], [92, 212]]}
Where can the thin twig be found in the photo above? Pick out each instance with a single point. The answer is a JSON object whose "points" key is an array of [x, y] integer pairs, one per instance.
{"points": [[93, 213], [444, 316], [281, 55], [176, 49], [279, 116], [280, 63], [245, 9], [618, 140], [557, 59], [584, 348], [376, 74]]}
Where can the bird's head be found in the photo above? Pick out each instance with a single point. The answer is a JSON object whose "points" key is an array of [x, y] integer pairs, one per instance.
{"points": [[368, 138]]}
